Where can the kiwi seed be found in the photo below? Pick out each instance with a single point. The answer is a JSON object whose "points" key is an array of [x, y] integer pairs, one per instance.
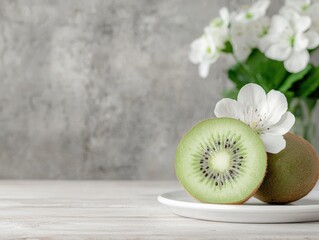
{"points": [[204, 160]]}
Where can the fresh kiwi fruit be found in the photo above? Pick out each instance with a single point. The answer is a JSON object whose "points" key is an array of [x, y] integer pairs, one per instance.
{"points": [[291, 174], [221, 160]]}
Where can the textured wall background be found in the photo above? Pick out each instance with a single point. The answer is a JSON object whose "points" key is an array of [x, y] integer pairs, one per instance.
{"points": [[101, 89]]}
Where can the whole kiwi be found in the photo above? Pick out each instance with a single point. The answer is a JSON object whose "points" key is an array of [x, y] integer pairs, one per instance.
{"points": [[291, 174]]}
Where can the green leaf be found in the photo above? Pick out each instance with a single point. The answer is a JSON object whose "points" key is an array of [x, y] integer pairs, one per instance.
{"points": [[258, 69], [267, 72], [228, 47], [294, 77], [239, 76], [315, 94], [311, 84]]}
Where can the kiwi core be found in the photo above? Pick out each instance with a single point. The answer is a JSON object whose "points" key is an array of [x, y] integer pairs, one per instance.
{"points": [[221, 161]]}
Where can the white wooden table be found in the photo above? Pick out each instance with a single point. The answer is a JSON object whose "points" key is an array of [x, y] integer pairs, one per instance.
{"points": [[116, 210]]}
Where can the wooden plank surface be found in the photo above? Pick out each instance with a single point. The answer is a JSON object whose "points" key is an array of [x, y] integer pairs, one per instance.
{"points": [[116, 210]]}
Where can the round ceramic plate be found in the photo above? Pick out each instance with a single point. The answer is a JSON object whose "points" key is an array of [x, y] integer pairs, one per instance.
{"points": [[253, 211]]}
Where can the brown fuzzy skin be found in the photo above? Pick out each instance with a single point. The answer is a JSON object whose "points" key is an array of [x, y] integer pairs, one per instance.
{"points": [[291, 174]]}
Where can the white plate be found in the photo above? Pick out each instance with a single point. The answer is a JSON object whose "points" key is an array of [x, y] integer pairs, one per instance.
{"points": [[253, 211]]}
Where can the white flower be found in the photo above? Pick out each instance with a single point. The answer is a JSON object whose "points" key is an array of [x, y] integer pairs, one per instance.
{"points": [[254, 12], [246, 36], [207, 49], [265, 113], [204, 53], [247, 27], [310, 9], [298, 5], [218, 28], [286, 40], [313, 33]]}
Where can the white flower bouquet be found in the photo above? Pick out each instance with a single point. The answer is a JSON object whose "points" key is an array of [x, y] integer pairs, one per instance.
{"points": [[273, 52]]}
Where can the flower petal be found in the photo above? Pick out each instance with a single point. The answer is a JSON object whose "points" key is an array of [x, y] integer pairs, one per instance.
{"points": [[277, 105], [301, 23], [273, 143], [254, 12], [224, 15], [313, 38], [251, 95], [198, 47], [298, 22], [259, 8], [283, 126], [203, 69], [297, 61], [301, 42], [279, 24], [279, 50], [297, 5], [263, 44], [227, 108], [241, 52]]}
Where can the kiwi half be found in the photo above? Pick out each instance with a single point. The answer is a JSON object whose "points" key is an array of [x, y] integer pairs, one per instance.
{"points": [[221, 160], [291, 174]]}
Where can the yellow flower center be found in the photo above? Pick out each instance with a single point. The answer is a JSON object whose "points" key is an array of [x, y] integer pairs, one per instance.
{"points": [[254, 124]]}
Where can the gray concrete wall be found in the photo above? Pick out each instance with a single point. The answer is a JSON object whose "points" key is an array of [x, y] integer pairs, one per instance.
{"points": [[101, 89]]}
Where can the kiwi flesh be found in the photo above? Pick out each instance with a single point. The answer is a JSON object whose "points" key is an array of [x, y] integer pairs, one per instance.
{"points": [[291, 174], [221, 160]]}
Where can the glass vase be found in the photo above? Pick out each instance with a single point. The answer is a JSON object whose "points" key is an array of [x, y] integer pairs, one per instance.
{"points": [[305, 125]]}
